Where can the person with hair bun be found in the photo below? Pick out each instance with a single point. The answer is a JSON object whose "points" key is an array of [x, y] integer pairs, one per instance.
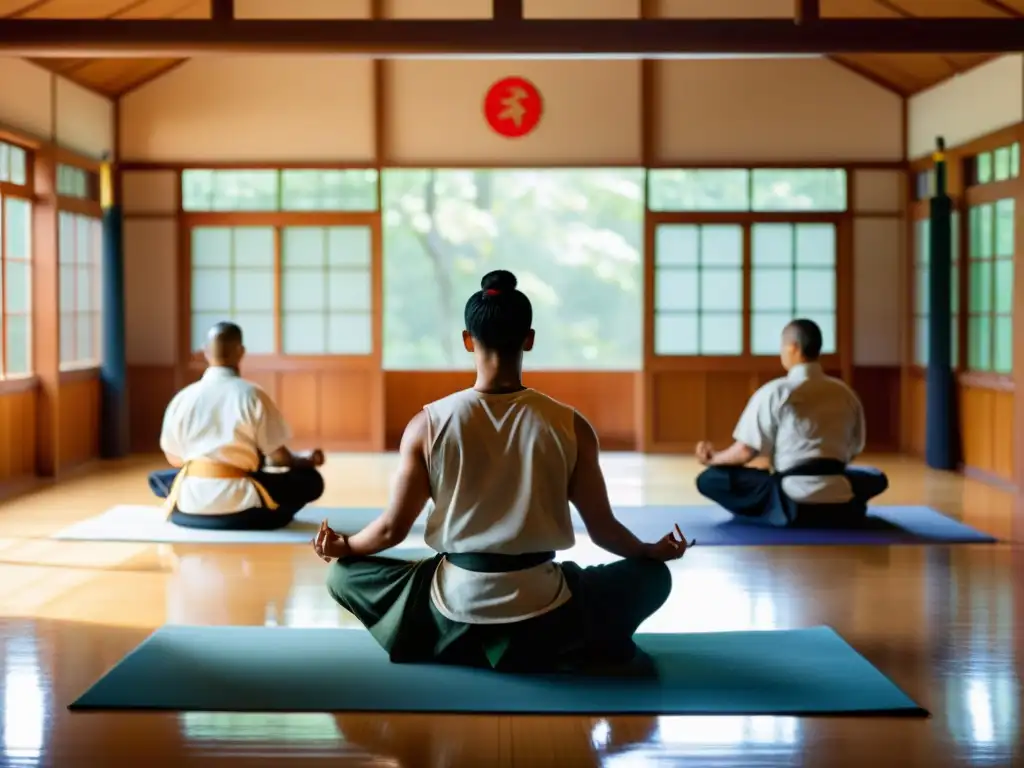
{"points": [[496, 467]]}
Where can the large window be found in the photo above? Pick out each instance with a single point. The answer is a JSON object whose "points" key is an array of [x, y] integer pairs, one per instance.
{"points": [[276, 190], [793, 274], [574, 238], [17, 285], [707, 247], [922, 302], [990, 288], [322, 305], [79, 259], [1000, 164], [698, 301]]}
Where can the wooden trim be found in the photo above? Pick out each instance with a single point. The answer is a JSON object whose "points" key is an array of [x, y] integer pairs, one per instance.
{"points": [[79, 206], [46, 312], [206, 165], [82, 373], [746, 218], [67, 157], [280, 219], [736, 364], [981, 380], [697, 164], [16, 384], [980, 194]]}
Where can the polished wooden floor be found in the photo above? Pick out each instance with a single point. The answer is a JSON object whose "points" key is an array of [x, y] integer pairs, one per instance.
{"points": [[944, 622]]}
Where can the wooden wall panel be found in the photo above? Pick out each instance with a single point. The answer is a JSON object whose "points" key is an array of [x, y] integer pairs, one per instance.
{"points": [[607, 399], [690, 406], [986, 422], [18, 435], [916, 404], [986, 426], [79, 425], [879, 390], [150, 389]]}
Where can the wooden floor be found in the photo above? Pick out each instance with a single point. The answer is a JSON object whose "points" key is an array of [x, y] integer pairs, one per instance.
{"points": [[944, 622]]}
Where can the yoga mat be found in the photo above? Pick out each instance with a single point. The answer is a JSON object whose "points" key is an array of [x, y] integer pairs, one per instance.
{"points": [[274, 669], [709, 525]]}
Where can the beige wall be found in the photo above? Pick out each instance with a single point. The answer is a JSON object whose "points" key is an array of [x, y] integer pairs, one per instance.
{"points": [[263, 109], [49, 107], [967, 107]]}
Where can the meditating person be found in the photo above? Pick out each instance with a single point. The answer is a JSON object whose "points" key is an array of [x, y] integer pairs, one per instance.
{"points": [[810, 427], [496, 467], [221, 434]]}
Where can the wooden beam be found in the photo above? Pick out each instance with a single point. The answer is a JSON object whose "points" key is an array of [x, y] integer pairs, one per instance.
{"points": [[67, 38], [507, 10], [807, 11], [222, 10]]}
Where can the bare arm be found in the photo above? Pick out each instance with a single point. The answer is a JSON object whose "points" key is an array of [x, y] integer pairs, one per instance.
{"points": [[588, 492], [283, 457], [736, 455], [411, 493]]}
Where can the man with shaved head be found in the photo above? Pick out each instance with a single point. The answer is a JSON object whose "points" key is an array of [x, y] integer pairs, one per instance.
{"points": [[220, 435], [810, 427]]}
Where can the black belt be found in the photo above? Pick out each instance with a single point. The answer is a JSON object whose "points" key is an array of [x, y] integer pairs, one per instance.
{"points": [[488, 562], [816, 468]]}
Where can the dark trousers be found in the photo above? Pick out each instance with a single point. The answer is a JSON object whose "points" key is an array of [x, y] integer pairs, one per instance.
{"points": [[292, 490], [756, 495], [595, 627]]}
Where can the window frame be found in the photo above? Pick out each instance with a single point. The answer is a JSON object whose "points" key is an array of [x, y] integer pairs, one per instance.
{"points": [[747, 360], [96, 271], [280, 221], [25, 192], [984, 194]]}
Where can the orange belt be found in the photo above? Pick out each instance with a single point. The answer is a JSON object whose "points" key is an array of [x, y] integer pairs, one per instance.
{"points": [[214, 470]]}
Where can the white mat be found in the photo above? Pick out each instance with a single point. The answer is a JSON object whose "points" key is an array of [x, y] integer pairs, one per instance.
{"points": [[150, 524]]}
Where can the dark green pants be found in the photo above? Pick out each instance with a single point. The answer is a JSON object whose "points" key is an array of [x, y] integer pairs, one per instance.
{"points": [[392, 599]]}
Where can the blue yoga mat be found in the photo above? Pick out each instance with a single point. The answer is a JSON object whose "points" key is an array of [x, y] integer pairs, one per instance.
{"points": [[712, 526], [273, 669]]}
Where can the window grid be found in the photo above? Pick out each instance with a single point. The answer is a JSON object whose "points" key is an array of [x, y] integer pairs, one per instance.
{"points": [[1000, 164], [825, 313], [14, 161], [80, 310], [16, 286], [206, 190], [743, 190], [667, 342], [265, 314], [990, 288], [332, 341]]}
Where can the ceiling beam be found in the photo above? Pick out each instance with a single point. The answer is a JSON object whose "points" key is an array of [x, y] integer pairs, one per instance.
{"points": [[473, 38]]}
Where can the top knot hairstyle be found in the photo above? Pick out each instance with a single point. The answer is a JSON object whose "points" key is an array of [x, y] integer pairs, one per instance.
{"points": [[498, 316]]}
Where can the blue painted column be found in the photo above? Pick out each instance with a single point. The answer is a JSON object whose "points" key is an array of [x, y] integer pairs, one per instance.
{"points": [[114, 436], [940, 419]]}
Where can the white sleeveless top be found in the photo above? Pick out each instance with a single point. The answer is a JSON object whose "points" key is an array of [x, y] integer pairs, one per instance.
{"points": [[499, 475]]}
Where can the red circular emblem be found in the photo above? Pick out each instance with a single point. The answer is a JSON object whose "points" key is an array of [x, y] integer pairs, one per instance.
{"points": [[513, 107]]}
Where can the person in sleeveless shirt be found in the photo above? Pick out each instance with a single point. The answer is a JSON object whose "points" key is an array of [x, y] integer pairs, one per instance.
{"points": [[496, 467], [810, 427]]}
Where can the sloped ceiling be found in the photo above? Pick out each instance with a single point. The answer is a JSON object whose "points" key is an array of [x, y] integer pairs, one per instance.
{"points": [[904, 73]]}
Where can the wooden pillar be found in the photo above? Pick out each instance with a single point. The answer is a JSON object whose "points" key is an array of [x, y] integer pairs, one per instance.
{"points": [[222, 10], [46, 311], [806, 11]]}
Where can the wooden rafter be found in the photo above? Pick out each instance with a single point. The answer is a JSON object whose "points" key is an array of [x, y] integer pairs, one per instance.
{"points": [[605, 37]]}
